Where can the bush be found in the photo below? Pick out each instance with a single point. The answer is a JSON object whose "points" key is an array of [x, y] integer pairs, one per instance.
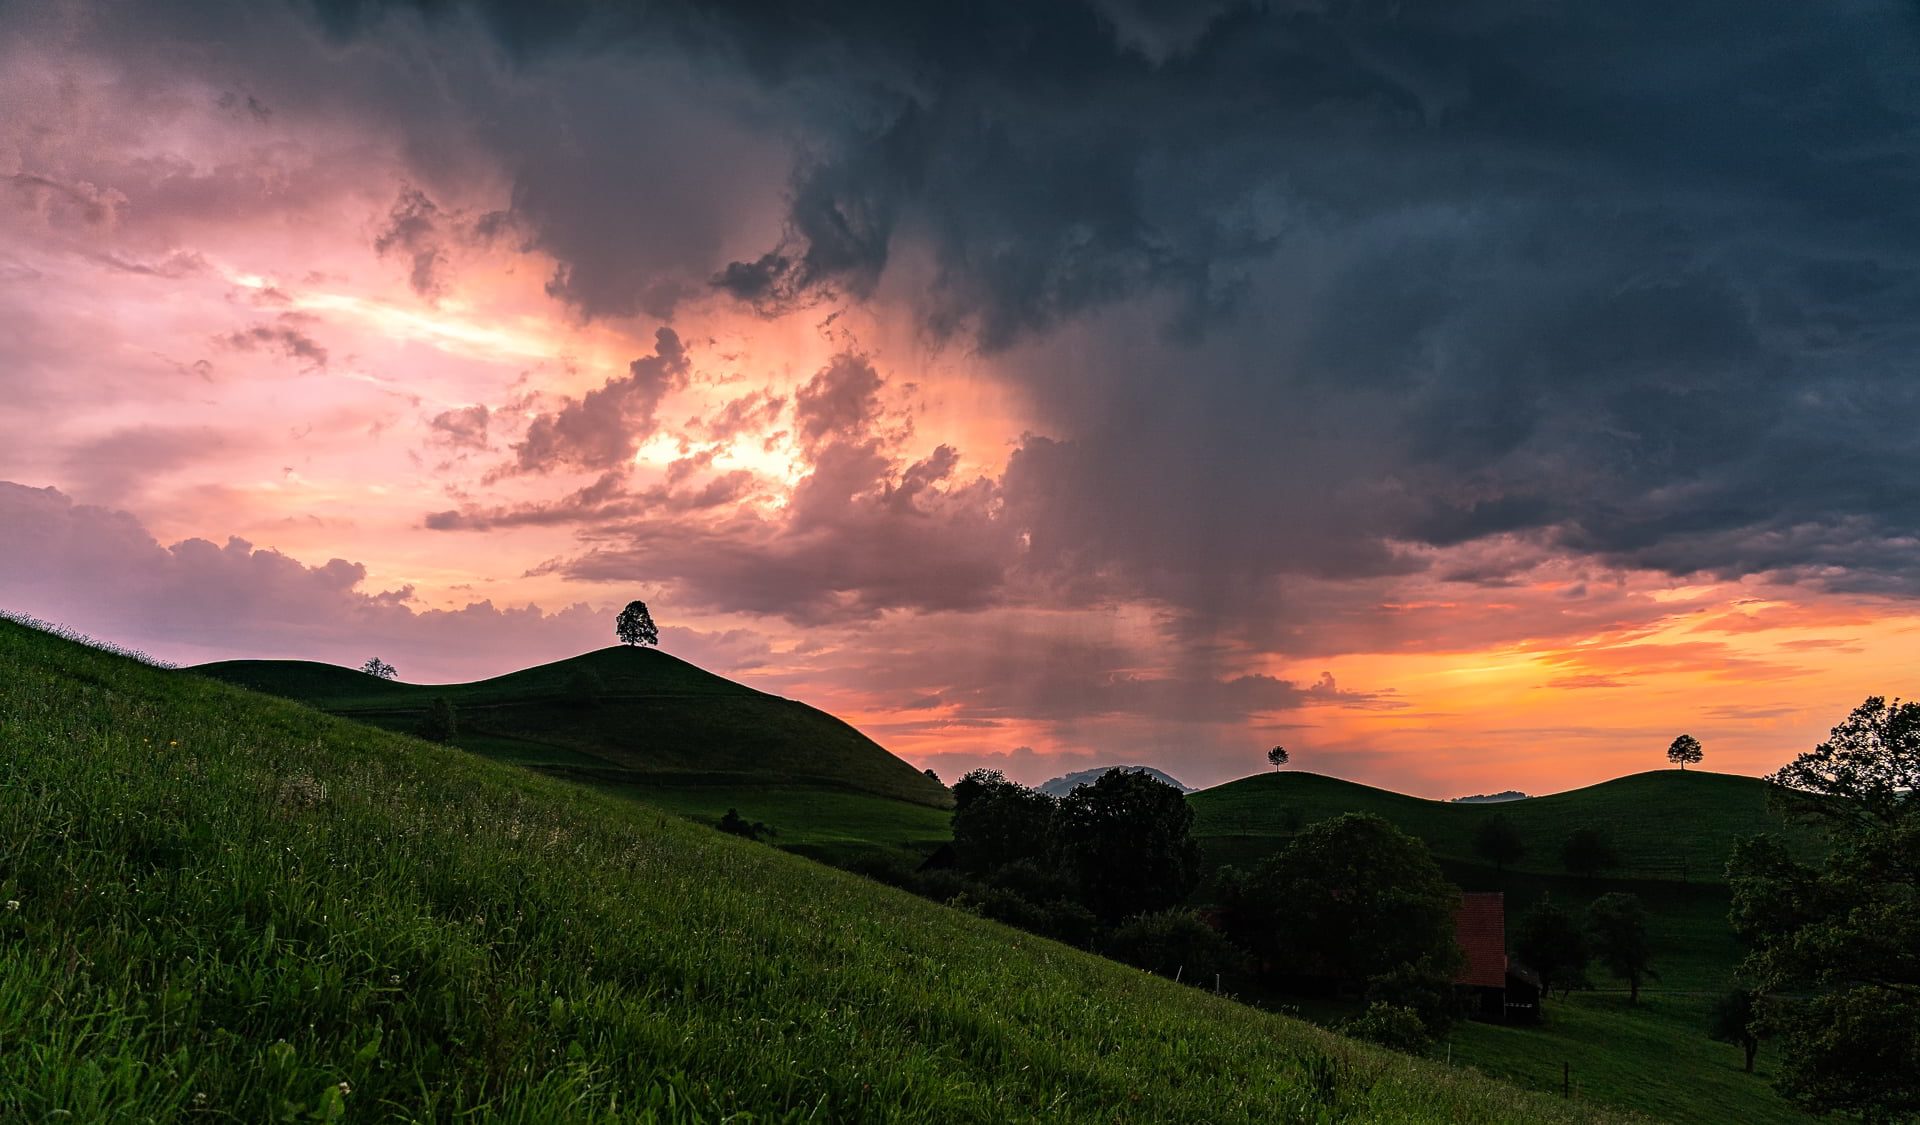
{"points": [[1422, 989], [1389, 1025], [1176, 943]]}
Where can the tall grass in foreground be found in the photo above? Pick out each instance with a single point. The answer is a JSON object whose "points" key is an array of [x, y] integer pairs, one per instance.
{"points": [[218, 906]]}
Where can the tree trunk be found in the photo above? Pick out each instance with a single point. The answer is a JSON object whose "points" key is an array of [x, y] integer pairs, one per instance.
{"points": [[1633, 990], [1752, 1046]]}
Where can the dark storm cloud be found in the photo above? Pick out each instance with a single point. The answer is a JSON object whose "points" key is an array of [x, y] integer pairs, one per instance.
{"points": [[1295, 289]]}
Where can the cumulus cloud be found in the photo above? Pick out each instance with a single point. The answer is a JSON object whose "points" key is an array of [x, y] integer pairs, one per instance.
{"points": [[462, 428], [603, 428]]}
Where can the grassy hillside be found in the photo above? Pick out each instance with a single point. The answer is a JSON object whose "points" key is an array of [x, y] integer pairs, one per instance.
{"points": [[221, 906], [1667, 824], [650, 719]]}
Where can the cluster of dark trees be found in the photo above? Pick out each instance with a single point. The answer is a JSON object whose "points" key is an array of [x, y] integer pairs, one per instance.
{"points": [[1833, 976], [1561, 948], [1587, 851], [1109, 866]]}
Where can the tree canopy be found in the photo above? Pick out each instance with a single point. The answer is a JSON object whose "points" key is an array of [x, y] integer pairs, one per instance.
{"points": [[1498, 842], [997, 822], [1277, 757], [1617, 936], [1355, 897], [1836, 940], [1127, 841], [635, 625], [1588, 851], [1548, 941], [1685, 751], [379, 668]]}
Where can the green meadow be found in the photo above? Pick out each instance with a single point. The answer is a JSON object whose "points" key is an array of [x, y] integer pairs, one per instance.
{"points": [[220, 906]]}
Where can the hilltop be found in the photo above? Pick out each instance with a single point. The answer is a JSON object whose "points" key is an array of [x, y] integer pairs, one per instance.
{"points": [[1667, 824], [230, 906], [621, 715]]}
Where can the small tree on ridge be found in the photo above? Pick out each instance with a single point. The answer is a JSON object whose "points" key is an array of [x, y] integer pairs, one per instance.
{"points": [[1277, 757], [379, 668], [1685, 751], [635, 626]]}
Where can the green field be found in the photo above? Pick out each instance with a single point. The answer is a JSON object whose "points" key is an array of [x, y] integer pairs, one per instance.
{"points": [[232, 908], [1653, 1058], [1675, 831], [661, 730]]}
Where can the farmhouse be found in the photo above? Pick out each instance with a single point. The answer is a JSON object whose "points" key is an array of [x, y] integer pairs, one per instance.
{"points": [[1492, 986]]}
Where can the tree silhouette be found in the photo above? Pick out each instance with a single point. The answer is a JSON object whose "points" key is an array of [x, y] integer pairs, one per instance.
{"points": [[440, 723], [1588, 851], [1617, 933], [379, 668], [1833, 930], [1685, 751], [634, 626], [1733, 1020], [1548, 942], [1277, 757], [1498, 842]]}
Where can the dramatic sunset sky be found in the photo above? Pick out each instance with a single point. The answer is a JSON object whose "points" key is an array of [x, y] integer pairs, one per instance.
{"points": [[1466, 395]]}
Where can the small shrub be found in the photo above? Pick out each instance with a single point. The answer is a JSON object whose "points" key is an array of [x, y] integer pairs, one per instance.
{"points": [[1389, 1025], [738, 825], [1176, 943]]}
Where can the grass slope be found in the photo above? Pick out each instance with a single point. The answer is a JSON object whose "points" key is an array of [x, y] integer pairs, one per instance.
{"points": [[656, 721], [1654, 1058], [1668, 824], [231, 908]]}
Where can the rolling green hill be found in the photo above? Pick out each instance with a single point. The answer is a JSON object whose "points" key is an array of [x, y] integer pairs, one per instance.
{"points": [[216, 905], [1667, 824], [622, 716]]}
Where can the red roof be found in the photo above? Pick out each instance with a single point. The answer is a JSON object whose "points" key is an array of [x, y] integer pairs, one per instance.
{"points": [[1480, 926]]}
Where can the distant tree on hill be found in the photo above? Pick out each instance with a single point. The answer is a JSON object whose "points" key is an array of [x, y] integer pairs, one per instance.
{"points": [[1734, 1020], [440, 723], [997, 822], [1617, 935], [735, 824], [1498, 842], [1354, 898], [1277, 757], [931, 776], [1835, 932], [1685, 751], [1588, 851], [1127, 841], [1549, 942], [635, 626], [379, 668]]}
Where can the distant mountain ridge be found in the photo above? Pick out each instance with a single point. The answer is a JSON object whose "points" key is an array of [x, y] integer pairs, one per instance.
{"points": [[1066, 783], [1490, 798]]}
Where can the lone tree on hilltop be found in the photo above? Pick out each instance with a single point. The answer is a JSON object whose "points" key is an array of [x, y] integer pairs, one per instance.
{"points": [[1685, 751], [379, 668], [1588, 851], [634, 626], [1498, 842], [1277, 757], [1617, 934], [1835, 932]]}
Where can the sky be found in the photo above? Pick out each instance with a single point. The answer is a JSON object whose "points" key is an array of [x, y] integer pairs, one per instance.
{"points": [[1467, 397]]}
